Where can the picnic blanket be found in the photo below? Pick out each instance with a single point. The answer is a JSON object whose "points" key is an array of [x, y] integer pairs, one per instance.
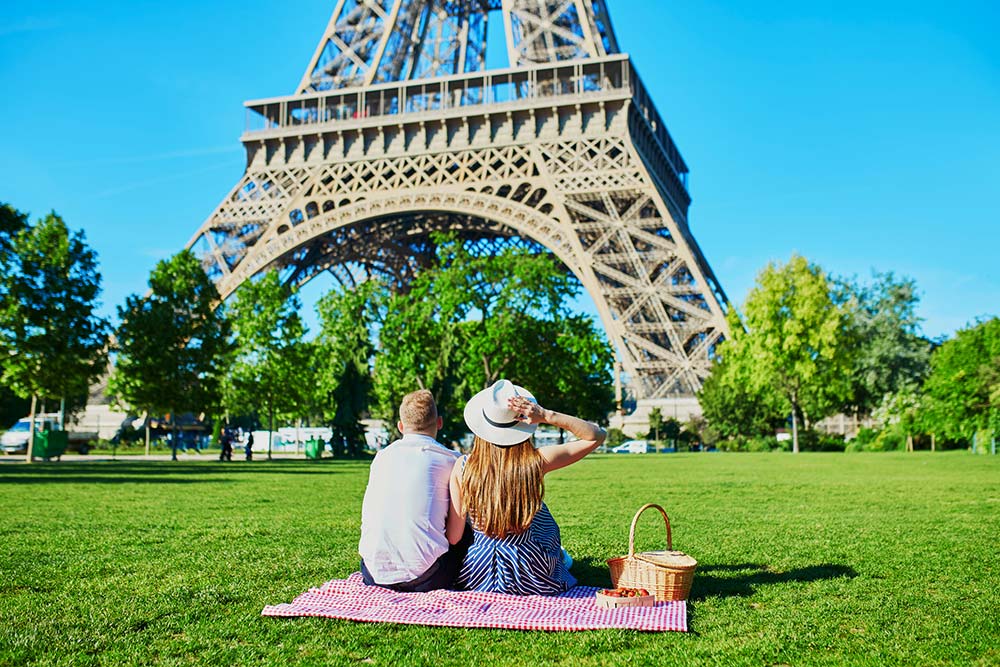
{"points": [[574, 610]]}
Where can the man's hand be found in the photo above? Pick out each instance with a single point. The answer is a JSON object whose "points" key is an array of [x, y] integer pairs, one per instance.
{"points": [[527, 411]]}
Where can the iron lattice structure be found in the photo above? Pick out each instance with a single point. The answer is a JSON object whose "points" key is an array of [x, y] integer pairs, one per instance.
{"points": [[398, 129]]}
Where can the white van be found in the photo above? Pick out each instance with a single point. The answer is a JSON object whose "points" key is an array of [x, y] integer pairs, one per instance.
{"points": [[15, 440], [634, 447]]}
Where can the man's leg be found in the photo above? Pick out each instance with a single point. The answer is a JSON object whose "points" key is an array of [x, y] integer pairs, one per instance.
{"points": [[366, 576], [422, 583]]}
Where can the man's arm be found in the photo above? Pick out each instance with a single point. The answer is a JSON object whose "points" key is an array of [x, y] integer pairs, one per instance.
{"points": [[455, 524]]}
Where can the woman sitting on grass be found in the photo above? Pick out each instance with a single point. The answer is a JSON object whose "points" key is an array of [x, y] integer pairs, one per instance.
{"points": [[516, 546]]}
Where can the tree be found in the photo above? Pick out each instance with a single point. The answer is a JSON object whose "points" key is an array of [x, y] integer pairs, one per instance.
{"points": [[343, 371], [672, 430], [891, 355], [172, 344], [574, 362], [700, 430], [471, 319], [730, 402], [900, 415], [582, 383], [796, 342], [12, 406], [12, 221], [503, 297], [270, 373], [418, 348], [655, 423], [55, 345], [963, 387]]}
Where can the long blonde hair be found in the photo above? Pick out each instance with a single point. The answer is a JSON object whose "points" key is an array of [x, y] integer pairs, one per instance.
{"points": [[502, 487]]}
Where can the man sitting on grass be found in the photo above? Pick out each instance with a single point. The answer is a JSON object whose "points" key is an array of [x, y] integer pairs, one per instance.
{"points": [[407, 506]]}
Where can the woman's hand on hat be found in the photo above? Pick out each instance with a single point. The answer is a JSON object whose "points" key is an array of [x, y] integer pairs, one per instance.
{"points": [[527, 411]]}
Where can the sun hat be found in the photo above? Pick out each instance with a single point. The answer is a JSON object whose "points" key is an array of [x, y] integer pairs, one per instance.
{"points": [[487, 415]]}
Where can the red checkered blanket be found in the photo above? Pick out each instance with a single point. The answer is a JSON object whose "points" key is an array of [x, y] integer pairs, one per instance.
{"points": [[574, 610]]}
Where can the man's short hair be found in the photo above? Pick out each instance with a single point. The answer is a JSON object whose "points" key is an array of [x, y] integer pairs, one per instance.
{"points": [[418, 412]]}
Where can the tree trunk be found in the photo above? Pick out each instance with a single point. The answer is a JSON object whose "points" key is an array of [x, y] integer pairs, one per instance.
{"points": [[146, 422], [62, 414], [933, 448], [173, 439], [618, 388], [909, 442], [795, 428], [31, 429], [486, 369], [270, 427]]}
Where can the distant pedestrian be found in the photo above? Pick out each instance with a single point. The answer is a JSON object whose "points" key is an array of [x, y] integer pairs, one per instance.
{"points": [[227, 446], [249, 447]]}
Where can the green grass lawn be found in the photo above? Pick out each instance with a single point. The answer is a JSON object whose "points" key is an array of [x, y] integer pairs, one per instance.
{"points": [[827, 559]]}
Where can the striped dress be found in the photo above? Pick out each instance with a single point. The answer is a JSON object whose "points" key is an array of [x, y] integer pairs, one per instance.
{"points": [[527, 564]]}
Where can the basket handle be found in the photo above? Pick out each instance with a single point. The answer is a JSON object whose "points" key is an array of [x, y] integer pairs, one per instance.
{"points": [[631, 531]]}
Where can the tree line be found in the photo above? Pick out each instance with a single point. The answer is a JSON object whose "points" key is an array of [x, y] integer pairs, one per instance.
{"points": [[463, 322], [803, 346], [807, 345]]}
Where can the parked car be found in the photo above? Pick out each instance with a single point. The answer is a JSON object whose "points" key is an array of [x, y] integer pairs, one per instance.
{"points": [[634, 447], [15, 440]]}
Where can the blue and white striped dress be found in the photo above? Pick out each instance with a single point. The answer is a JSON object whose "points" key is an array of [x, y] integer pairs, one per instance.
{"points": [[530, 563]]}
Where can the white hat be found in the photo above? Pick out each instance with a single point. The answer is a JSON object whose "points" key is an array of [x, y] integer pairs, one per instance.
{"points": [[488, 416]]}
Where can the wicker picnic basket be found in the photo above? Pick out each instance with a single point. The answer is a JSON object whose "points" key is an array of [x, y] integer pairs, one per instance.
{"points": [[667, 574]]}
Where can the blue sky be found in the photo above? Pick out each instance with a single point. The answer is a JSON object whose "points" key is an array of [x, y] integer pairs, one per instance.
{"points": [[862, 135]]}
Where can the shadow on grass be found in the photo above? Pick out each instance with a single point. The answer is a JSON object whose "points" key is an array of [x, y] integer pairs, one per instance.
{"points": [[99, 479], [713, 580], [739, 580], [591, 572], [158, 472]]}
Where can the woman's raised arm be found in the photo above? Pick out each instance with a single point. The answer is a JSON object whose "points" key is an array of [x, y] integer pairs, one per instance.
{"points": [[589, 435]]}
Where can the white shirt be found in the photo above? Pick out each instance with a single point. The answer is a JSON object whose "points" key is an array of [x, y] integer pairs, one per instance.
{"points": [[405, 509]]}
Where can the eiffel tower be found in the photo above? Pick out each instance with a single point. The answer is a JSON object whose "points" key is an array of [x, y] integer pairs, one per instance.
{"points": [[398, 129]]}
